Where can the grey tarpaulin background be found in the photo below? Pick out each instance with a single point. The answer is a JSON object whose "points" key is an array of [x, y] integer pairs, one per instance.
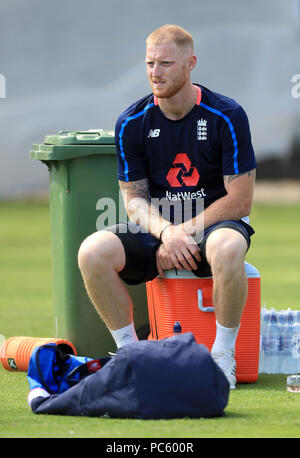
{"points": [[71, 65]]}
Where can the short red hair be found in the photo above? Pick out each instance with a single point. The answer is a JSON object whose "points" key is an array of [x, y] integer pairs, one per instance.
{"points": [[171, 33]]}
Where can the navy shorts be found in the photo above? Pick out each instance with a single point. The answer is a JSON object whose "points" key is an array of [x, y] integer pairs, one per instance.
{"points": [[140, 248]]}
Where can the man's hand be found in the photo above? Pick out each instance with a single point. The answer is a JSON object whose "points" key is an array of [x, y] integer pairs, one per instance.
{"points": [[178, 249], [163, 260]]}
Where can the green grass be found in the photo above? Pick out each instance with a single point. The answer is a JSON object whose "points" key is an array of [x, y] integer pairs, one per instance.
{"points": [[263, 409], [275, 251]]}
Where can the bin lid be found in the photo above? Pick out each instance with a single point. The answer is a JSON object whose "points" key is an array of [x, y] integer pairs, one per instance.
{"points": [[74, 144], [81, 137]]}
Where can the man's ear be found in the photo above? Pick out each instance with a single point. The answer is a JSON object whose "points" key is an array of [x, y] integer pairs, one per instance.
{"points": [[192, 62]]}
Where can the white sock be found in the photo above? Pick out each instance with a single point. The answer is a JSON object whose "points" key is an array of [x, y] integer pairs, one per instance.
{"points": [[225, 338], [124, 335]]}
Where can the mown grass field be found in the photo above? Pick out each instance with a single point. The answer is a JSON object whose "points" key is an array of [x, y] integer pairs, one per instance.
{"points": [[260, 410]]}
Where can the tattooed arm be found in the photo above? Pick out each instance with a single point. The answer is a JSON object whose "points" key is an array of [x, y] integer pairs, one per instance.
{"points": [[240, 189], [136, 198], [229, 178], [234, 205]]}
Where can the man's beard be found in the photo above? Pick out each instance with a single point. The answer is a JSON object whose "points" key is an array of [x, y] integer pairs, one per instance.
{"points": [[168, 92]]}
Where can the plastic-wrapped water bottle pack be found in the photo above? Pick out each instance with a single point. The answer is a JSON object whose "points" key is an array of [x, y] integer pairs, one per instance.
{"points": [[279, 341]]}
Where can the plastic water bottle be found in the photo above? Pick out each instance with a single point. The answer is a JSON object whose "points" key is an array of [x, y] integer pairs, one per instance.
{"points": [[296, 342], [284, 322], [264, 319], [272, 345], [263, 357], [293, 384], [291, 365], [177, 328]]}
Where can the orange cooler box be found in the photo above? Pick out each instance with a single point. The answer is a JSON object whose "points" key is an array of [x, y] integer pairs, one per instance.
{"points": [[183, 297]]}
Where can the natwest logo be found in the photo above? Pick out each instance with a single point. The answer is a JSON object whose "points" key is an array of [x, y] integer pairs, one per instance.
{"points": [[183, 173]]}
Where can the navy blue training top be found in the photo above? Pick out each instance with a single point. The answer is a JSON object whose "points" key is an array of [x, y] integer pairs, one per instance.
{"points": [[188, 158]]}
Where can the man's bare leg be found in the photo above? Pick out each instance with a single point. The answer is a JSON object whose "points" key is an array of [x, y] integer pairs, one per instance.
{"points": [[225, 252], [101, 257]]}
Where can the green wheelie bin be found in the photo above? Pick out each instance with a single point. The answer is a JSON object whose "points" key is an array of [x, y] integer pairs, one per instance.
{"points": [[84, 197]]}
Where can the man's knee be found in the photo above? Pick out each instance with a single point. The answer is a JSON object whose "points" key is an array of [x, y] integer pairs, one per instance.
{"points": [[101, 250], [226, 249]]}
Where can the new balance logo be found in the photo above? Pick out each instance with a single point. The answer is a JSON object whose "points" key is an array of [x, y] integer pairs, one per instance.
{"points": [[154, 133], [202, 129]]}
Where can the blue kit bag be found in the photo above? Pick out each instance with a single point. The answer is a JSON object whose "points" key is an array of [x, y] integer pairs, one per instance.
{"points": [[55, 371], [169, 378]]}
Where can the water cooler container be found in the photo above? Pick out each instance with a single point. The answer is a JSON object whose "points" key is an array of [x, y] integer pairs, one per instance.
{"points": [[183, 297]]}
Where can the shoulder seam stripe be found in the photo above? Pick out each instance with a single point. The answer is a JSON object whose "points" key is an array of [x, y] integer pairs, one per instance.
{"points": [[124, 124], [233, 136]]}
